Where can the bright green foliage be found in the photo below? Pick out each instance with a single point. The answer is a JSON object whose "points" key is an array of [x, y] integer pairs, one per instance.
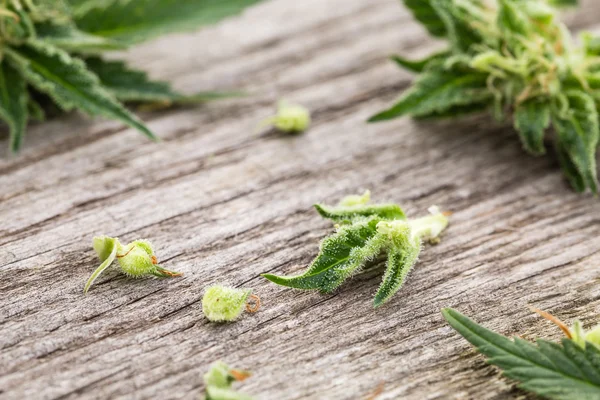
{"points": [[566, 371], [136, 259], [363, 233], [222, 303], [129, 21], [291, 118], [54, 47], [512, 58], [218, 381]]}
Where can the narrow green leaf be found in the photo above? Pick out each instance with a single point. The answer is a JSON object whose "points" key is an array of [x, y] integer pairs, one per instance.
{"points": [[577, 137], [135, 21], [457, 111], [423, 12], [69, 83], [107, 255], [564, 3], [82, 7], [36, 112], [129, 84], [71, 39], [570, 170], [419, 65], [561, 372], [436, 92], [13, 104], [341, 255], [400, 262], [349, 213], [532, 118]]}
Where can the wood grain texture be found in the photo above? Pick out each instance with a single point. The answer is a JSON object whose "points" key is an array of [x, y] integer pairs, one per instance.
{"points": [[222, 203]]}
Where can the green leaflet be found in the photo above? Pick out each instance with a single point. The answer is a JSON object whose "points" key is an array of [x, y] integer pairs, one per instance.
{"points": [[106, 248], [424, 12], [532, 118], [399, 264], [577, 136], [348, 213], [564, 3], [436, 92], [560, 372], [419, 65], [128, 84], [69, 83], [136, 21], [71, 39], [13, 104], [341, 255], [361, 239]]}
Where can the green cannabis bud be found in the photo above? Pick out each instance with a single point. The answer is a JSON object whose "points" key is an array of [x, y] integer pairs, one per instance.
{"points": [[136, 259], [219, 379], [363, 232], [224, 304], [290, 118], [513, 58]]}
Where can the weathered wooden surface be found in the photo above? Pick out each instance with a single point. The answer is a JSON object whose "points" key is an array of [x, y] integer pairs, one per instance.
{"points": [[222, 204]]}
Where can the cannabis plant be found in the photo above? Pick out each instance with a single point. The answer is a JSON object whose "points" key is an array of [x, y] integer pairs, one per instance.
{"points": [[513, 57], [364, 232], [52, 49]]}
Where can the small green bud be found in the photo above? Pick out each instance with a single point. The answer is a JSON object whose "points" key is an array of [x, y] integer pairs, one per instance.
{"points": [[136, 260], [289, 118], [222, 303], [218, 382]]}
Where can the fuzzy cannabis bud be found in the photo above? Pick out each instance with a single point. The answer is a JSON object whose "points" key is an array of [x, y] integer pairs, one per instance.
{"points": [[513, 58], [218, 381], [224, 304], [363, 232], [136, 259], [291, 118]]}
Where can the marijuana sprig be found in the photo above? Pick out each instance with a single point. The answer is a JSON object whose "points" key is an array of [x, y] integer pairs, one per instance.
{"points": [[511, 57], [51, 50], [363, 232], [566, 371], [136, 259]]}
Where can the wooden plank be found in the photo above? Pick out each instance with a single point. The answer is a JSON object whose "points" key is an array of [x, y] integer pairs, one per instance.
{"points": [[223, 204]]}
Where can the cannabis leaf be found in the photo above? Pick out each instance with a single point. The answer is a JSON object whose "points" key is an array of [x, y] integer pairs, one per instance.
{"points": [[53, 48], [566, 371], [135, 21], [513, 59], [363, 233]]}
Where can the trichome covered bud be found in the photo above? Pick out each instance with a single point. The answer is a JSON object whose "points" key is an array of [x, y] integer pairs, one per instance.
{"points": [[223, 303], [291, 118], [136, 259]]}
